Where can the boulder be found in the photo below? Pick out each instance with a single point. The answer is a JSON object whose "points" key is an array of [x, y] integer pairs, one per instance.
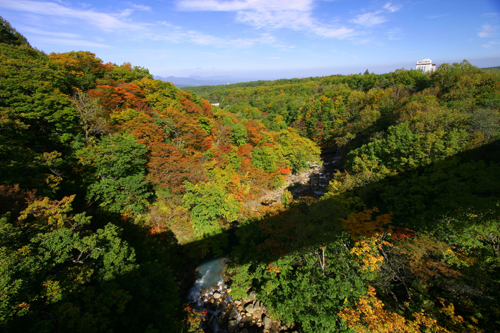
{"points": [[250, 308], [232, 326], [217, 295], [267, 323]]}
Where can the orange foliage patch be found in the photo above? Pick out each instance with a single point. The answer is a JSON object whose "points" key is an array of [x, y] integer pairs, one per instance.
{"points": [[286, 171], [120, 95]]}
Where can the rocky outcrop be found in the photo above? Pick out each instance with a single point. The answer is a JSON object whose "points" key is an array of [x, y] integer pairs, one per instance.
{"points": [[301, 179]]}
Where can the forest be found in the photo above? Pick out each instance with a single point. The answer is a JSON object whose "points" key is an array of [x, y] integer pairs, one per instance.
{"points": [[114, 186]]}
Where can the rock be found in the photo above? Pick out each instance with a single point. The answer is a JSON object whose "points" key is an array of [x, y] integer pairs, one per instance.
{"points": [[237, 302], [232, 326], [250, 308], [267, 323], [217, 295], [249, 298], [233, 312], [259, 307]]}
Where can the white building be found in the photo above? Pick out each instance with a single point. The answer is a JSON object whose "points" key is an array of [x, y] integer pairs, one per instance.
{"points": [[426, 65]]}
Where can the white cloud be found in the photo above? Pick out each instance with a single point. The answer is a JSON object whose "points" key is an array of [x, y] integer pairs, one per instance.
{"points": [[140, 7], [115, 22], [487, 31], [392, 8], [107, 22], [253, 5], [176, 34], [25, 29], [369, 19], [296, 15], [438, 16]]}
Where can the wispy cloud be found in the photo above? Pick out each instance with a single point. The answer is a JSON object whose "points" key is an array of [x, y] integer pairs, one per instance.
{"points": [[104, 21], [394, 34], [491, 15], [438, 16], [140, 7], [176, 34], [254, 5], [392, 8], [25, 29], [120, 22], [374, 18], [369, 19], [490, 44], [486, 31], [296, 15]]}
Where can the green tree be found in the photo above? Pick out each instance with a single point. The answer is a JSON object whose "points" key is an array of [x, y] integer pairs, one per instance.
{"points": [[265, 158], [9, 35], [486, 121], [239, 134], [57, 258], [306, 288], [117, 168], [212, 208]]}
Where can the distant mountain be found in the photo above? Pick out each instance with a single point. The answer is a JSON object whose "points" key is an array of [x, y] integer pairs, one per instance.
{"points": [[194, 80]]}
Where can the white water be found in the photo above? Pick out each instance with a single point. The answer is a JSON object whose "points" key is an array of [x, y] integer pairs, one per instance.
{"points": [[209, 282], [209, 275]]}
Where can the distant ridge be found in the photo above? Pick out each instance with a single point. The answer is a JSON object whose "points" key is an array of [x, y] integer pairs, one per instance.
{"points": [[195, 81], [491, 69]]}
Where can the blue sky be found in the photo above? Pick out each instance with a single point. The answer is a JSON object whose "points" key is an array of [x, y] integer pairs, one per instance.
{"points": [[264, 39]]}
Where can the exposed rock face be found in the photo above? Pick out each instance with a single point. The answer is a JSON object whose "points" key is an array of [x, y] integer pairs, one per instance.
{"points": [[306, 183], [267, 323], [274, 196]]}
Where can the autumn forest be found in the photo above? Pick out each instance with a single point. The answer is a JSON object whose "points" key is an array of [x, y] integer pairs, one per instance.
{"points": [[114, 186]]}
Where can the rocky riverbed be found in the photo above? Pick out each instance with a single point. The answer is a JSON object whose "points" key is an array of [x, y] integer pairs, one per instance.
{"points": [[211, 296], [311, 182]]}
